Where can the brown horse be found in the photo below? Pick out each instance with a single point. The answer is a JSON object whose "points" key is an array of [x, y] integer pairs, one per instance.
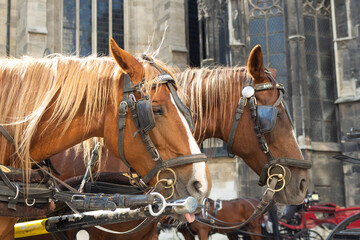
{"points": [[212, 95], [49, 105], [230, 211]]}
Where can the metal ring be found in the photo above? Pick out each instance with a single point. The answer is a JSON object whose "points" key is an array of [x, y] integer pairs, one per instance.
{"points": [[132, 96], [166, 187], [155, 214], [170, 170], [203, 210], [157, 155], [254, 98], [275, 190], [16, 194], [29, 204], [279, 165]]}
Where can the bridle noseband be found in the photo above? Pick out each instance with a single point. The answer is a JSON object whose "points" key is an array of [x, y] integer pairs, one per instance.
{"points": [[143, 116], [264, 117]]}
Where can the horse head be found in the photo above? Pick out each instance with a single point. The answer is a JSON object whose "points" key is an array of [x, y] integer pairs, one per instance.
{"points": [[154, 130], [265, 137], [245, 107]]}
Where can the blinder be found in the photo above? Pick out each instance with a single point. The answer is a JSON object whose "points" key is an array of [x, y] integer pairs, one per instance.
{"points": [[266, 115], [145, 115]]}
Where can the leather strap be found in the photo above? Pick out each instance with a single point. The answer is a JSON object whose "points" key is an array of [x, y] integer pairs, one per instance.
{"points": [[123, 108], [239, 111]]}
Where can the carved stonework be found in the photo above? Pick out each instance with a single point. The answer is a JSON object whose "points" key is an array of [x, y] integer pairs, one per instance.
{"points": [[316, 7], [265, 7], [221, 8], [203, 10]]}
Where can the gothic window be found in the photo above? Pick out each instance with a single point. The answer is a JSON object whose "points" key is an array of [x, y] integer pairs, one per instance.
{"points": [[321, 85], [88, 25], [85, 27], [267, 29], [69, 26], [214, 40]]}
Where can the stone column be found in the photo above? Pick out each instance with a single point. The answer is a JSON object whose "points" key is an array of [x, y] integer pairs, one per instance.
{"points": [[238, 32], [54, 26], [173, 50], [138, 25], [207, 42], [31, 29], [3, 26], [297, 69]]}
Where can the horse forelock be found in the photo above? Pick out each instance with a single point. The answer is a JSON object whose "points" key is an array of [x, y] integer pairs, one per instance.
{"points": [[30, 86], [209, 89]]}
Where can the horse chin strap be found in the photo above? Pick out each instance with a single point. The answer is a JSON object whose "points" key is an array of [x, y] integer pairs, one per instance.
{"points": [[275, 167], [142, 115]]}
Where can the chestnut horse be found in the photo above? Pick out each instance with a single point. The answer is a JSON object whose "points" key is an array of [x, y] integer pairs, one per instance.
{"points": [[233, 211], [213, 95], [49, 105]]}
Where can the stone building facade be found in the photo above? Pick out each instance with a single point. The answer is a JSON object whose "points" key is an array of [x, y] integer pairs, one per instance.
{"points": [[313, 44]]}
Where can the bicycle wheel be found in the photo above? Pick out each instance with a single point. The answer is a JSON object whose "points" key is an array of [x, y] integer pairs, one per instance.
{"points": [[308, 234]]}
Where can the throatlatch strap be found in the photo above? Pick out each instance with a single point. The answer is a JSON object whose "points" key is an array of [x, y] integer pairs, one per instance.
{"points": [[238, 114], [122, 118]]}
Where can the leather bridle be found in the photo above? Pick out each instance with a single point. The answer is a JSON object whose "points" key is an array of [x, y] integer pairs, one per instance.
{"points": [[275, 174], [130, 103], [274, 166]]}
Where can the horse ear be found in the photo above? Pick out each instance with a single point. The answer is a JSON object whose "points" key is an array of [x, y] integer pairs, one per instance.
{"points": [[125, 60], [256, 64]]}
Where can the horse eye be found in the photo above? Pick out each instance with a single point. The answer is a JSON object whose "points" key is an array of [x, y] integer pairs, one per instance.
{"points": [[158, 110]]}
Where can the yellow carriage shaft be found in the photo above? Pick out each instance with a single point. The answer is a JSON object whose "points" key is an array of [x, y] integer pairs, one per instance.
{"points": [[32, 228]]}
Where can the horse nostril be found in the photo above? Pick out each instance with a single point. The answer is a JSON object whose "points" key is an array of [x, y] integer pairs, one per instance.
{"points": [[303, 185], [197, 185]]}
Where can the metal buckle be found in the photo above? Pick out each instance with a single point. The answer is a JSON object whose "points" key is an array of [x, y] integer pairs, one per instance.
{"points": [[157, 155], [123, 107]]}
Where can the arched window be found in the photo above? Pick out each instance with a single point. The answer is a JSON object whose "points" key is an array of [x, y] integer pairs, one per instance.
{"points": [[267, 29]]}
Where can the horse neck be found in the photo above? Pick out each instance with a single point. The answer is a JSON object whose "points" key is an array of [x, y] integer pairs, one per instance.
{"points": [[51, 140]]}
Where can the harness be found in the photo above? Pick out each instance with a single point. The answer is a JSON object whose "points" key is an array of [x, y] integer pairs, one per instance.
{"points": [[143, 116]]}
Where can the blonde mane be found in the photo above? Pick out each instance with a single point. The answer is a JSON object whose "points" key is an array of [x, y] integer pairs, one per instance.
{"points": [[30, 86], [221, 86]]}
